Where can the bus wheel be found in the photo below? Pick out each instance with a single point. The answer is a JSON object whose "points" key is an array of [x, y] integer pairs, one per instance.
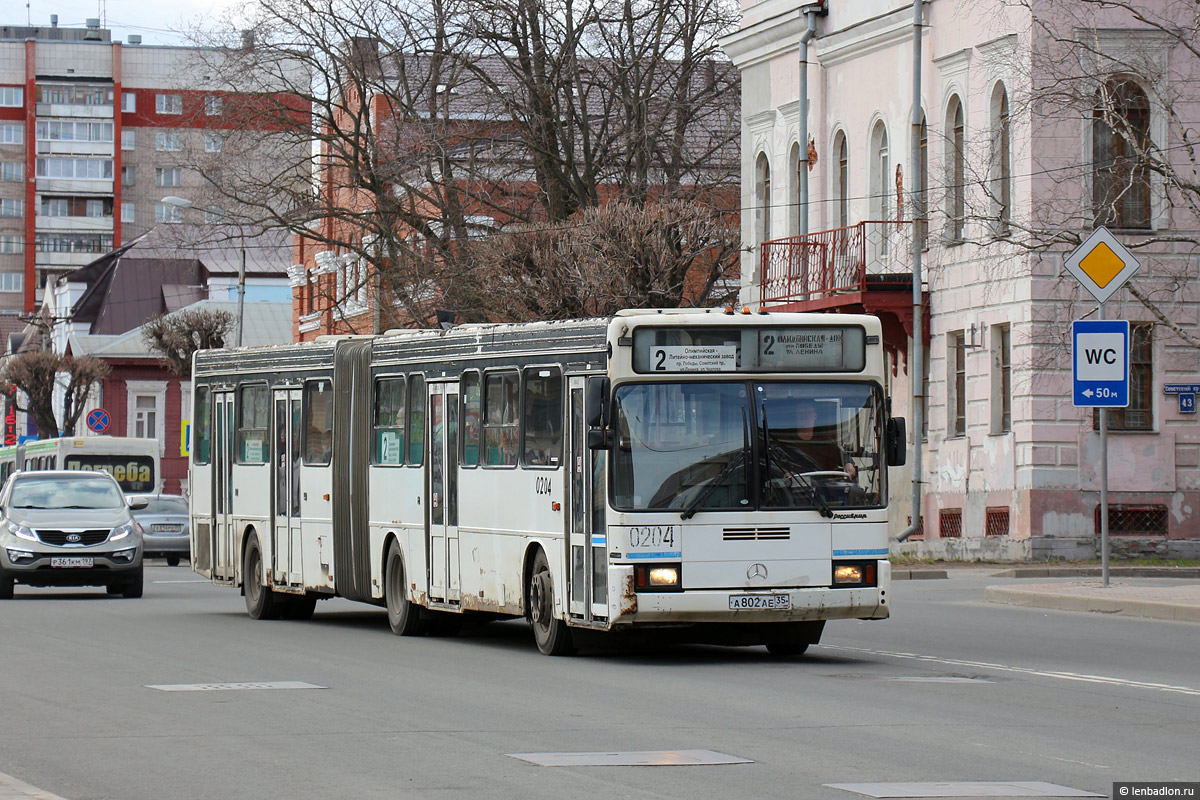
{"points": [[261, 602], [404, 616], [300, 606], [792, 639], [552, 636]]}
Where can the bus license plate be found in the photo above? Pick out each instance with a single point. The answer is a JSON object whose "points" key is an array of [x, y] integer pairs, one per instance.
{"points": [[777, 602], [71, 561]]}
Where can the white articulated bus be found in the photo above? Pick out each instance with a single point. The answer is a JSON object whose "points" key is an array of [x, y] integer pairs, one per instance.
{"points": [[638, 471], [134, 462]]}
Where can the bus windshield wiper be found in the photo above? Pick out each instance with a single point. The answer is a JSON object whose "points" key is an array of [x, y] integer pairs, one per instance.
{"points": [[821, 503], [718, 480]]}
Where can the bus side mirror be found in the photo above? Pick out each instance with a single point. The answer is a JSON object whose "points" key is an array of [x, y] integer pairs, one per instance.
{"points": [[597, 439], [596, 402], [897, 445]]}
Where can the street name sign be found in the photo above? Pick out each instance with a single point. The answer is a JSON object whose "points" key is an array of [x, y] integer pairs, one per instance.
{"points": [[1101, 264], [1186, 392], [1100, 363]]}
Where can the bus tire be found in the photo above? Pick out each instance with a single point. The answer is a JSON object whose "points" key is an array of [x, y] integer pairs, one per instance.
{"points": [[261, 602], [300, 607], [552, 635], [792, 638], [404, 616]]}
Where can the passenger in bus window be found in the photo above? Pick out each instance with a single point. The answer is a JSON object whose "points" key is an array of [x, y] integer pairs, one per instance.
{"points": [[809, 445]]}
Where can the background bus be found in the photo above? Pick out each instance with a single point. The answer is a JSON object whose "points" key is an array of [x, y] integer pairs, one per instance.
{"points": [[633, 471], [133, 462]]}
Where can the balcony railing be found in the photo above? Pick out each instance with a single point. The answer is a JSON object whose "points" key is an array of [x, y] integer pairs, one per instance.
{"points": [[833, 262]]}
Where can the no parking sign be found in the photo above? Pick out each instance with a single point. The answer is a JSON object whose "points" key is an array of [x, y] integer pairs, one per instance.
{"points": [[98, 420]]}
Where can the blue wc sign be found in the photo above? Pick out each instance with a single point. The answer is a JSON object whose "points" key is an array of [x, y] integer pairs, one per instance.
{"points": [[1186, 392]]}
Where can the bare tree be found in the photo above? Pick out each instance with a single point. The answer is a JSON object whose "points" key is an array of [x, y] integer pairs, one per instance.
{"points": [[179, 335], [436, 123], [38, 373], [607, 258]]}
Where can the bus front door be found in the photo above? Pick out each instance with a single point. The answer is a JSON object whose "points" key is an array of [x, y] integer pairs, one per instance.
{"points": [[225, 555], [285, 478], [587, 550], [441, 499]]}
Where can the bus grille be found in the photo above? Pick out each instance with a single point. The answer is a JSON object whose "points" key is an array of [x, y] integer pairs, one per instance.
{"points": [[85, 537], [755, 534]]}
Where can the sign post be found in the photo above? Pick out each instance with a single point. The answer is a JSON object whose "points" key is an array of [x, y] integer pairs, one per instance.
{"points": [[1100, 362]]}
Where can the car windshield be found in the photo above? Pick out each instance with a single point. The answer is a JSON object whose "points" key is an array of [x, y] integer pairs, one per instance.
{"points": [[66, 492], [747, 445], [164, 504]]}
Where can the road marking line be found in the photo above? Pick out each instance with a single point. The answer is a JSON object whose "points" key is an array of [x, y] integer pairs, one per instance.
{"points": [[13, 789], [219, 687], [1066, 676]]}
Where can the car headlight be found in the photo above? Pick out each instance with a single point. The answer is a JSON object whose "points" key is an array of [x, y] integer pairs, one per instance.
{"points": [[21, 530], [121, 531]]}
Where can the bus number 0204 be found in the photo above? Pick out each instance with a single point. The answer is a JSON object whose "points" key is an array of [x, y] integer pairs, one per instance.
{"points": [[651, 536]]}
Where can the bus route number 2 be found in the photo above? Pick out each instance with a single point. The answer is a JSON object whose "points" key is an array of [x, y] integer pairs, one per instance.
{"points": [[655, 536]]}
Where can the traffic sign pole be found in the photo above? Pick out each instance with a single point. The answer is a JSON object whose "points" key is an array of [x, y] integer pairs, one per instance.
{"points": [[1103, 483]]}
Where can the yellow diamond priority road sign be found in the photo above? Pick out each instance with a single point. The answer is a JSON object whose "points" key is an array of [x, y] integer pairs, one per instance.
{"points": [[1101, 264]]}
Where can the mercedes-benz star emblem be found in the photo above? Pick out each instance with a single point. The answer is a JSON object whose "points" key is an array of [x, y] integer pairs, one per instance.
{"points": [[757, 571]]}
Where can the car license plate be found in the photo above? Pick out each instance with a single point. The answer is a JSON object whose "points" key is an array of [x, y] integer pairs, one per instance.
{"points": [[163, 528], [71, 561], [760, 601]]}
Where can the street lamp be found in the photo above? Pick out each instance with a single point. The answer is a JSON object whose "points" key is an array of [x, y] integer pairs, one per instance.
{"points": [[181, 202]]}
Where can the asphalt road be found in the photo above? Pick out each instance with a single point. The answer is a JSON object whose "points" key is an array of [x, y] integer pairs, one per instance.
{"points": [[950, 689]]}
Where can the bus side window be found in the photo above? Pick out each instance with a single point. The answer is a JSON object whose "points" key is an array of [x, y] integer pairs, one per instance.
{"points": [[389, 421], [202, 426], [470, 419], [318, 422], [542, 428], [501, 394], [252, 425], [416, 420]]}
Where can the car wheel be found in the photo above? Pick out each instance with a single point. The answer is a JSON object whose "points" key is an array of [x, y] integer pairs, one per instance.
{"points": [[552, 635], [405, 617], [172, 561], [114, 588], [261, 602], [133, 587], [6, 587]]}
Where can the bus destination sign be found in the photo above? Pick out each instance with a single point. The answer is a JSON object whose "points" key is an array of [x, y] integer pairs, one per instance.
{"points": [[696, 358], [725, 349]]}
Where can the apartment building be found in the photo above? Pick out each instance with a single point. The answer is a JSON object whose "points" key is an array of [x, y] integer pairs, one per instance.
{"points": [[1038, 122], [94, 133]]}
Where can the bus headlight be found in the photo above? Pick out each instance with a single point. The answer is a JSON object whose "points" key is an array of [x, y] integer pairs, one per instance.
{"points": [[658, 578], [858, 573]]}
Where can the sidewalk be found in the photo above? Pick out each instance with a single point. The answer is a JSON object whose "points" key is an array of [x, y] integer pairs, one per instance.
{"points": [[1180, 602]]}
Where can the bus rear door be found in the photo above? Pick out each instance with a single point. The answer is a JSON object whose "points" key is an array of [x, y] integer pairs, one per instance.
{"points": [[225, 555], [285, 469]]}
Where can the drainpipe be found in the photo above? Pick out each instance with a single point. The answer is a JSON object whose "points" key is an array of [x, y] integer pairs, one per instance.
{"points": [[918, 348], [813, 11]]}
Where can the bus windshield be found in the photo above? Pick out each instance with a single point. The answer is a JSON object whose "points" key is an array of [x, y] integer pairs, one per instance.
{"points": [[748, 446]]}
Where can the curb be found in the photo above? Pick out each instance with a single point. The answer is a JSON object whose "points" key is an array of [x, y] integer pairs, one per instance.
{"points": [[918, 574], [1088, 572], [1091, 602]]}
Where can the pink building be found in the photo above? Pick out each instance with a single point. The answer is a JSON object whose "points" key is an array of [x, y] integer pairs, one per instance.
{"points": [[1041, 120]]}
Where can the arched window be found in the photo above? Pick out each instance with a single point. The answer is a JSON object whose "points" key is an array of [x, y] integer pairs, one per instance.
{"points": [[1001, 189], [881, 190], [1120, 142], [841, 182], [956, 169], [762, 198]]}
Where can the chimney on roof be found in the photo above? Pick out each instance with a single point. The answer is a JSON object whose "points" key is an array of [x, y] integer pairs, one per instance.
{"points": [[93, 29], [135, 38], [248, 40], [54, 20]]}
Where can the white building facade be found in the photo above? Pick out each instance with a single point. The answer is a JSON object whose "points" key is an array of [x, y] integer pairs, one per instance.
{"points": [[1040, 121]]}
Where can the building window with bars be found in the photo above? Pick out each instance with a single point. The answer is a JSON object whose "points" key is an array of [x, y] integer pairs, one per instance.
{"points": [[950, 523], [1131, 520], [1139, 414], [995, 521]]}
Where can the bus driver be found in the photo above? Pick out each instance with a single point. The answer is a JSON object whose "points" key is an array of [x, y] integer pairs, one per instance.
{"points": [[806, 453]]}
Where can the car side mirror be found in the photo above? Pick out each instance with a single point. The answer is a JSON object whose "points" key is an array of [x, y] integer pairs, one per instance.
{"points": [[137, 503], [897, 442]]}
